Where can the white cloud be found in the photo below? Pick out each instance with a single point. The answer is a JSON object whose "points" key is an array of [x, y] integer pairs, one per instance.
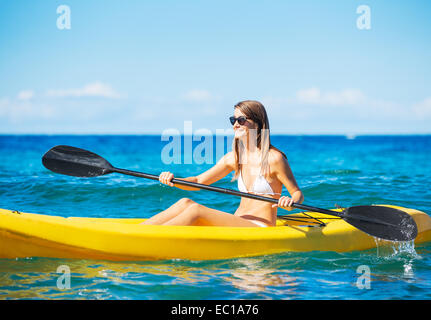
{"points": [[198, 101], [348, 110], [314, 102], [311, 110], [312, 96], [25, 95], [20, 109], [196, 95], [333, 98], [423, 108], [95, 89], [3, 103]]}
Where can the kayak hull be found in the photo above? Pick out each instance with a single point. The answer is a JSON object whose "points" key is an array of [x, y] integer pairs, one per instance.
{"points": [[36, 235]]}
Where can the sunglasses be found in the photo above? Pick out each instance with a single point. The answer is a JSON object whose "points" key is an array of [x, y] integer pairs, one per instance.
{"points": [[241, 120]]}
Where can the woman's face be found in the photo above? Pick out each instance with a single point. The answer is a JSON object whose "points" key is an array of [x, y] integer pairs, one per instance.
{"points": [[242, 131]]}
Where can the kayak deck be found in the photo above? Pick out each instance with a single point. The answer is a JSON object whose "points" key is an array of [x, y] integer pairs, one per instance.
{"points": [[37, 235]]}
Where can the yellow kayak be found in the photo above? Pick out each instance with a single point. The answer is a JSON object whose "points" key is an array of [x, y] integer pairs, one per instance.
{"points": [[36, 235]]}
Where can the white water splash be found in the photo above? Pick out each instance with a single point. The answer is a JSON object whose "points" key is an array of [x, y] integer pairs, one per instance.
{"points": [[401, 251], [393, 249]]}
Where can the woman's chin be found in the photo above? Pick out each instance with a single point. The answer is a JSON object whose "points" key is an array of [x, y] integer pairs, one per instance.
{"points": [[240, 134]]}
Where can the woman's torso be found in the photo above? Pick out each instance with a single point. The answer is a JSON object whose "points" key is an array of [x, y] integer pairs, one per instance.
{"points": [[266, 186]]}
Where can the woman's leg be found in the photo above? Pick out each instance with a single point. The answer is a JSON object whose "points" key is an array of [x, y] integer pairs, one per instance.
{"points": [[197, 214], [171, 212]]}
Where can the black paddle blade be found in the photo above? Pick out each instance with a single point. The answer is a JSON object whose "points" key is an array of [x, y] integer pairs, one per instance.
{"points": [[382, 222], [75, 162]]}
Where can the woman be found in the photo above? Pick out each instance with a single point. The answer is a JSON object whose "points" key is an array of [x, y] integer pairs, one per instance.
{"points": [[259, 168]]}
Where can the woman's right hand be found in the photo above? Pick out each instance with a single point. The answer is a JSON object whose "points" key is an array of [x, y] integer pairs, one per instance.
{"points": [[285, 203], [166, 178]]}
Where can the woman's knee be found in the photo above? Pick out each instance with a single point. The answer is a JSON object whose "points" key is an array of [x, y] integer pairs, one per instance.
{"points": [[194, 207], [194, 210], [185, 202]]}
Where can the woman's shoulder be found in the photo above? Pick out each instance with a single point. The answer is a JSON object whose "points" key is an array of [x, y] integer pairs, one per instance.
{"points": [[276, 156], [230, 155], [228, 159], [277, 161]]}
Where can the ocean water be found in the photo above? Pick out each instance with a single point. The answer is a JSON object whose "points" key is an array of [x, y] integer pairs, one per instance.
{"points": [[330, 170]]}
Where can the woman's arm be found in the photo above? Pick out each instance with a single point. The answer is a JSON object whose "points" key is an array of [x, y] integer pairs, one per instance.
{"points": [[221, 169], [282, 171]]}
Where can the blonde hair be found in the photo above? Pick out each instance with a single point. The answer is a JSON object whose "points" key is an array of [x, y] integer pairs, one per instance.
{"points": [[255, 111]]}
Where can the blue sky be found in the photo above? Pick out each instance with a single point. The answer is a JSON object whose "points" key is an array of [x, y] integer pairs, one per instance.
{"points": [[147, 66]]}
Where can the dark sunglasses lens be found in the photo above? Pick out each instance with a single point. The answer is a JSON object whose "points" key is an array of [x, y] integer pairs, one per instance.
{"points": [[241, 120]]}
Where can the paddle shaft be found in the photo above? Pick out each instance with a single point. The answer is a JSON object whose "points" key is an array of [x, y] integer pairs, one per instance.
{"points": [[225, 191], [246, 195]]}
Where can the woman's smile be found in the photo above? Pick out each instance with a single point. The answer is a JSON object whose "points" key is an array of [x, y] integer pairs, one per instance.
{"points": [[239, 131]]}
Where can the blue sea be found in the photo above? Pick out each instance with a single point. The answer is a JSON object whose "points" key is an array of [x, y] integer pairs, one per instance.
{"points": [[343, 170]]}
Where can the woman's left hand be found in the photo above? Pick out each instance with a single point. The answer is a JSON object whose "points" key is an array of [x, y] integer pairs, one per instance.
{"points": [[285, 203]]}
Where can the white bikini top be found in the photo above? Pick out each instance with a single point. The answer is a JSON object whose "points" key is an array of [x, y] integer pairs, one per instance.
{"points": [[260, 186]]}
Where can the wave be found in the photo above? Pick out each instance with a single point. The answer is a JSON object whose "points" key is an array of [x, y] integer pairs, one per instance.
{"points": [[342, 171]]}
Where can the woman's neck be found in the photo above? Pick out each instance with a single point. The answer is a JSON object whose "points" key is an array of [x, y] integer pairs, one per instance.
{"points": [[251, 157], [250, 146]]}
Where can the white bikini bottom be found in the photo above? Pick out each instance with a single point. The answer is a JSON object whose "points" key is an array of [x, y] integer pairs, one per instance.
{"points": [[259, 223]]}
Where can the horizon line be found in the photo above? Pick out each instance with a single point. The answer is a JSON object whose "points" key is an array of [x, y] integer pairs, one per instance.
{"points": [[182, 134]]}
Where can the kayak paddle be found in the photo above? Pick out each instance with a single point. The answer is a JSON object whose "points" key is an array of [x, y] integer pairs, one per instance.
{"points": [[377, 221]]}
